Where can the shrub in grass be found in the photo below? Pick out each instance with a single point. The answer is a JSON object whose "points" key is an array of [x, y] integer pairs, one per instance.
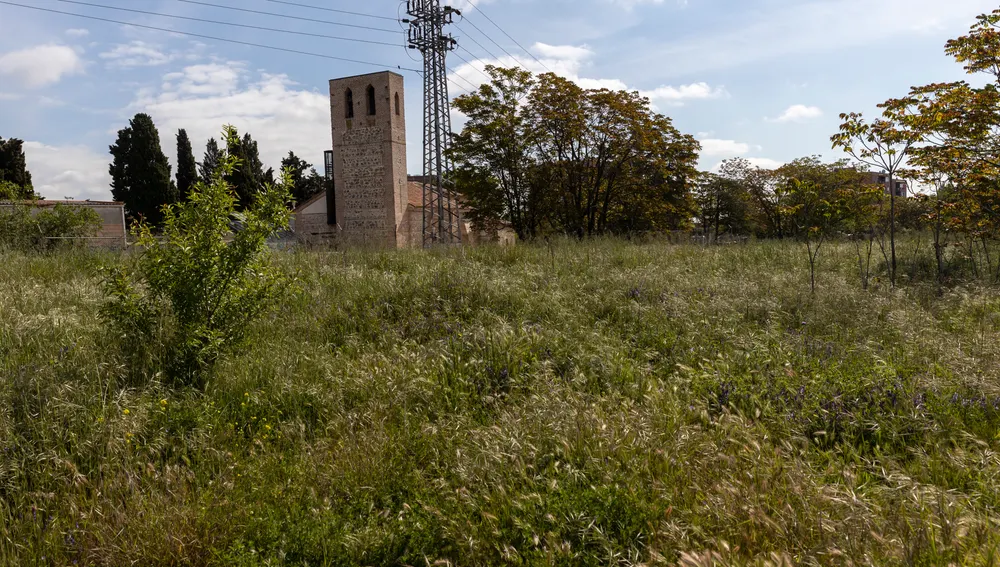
{"points": [[193, 293], [28, 228]]}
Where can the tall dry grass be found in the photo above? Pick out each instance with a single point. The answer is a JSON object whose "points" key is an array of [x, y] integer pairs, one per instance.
{"points": [[575, 404]]}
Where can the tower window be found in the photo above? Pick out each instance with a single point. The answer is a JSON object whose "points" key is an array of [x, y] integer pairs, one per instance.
{"points": [[397, 104], [349, 102], [371, 100]]}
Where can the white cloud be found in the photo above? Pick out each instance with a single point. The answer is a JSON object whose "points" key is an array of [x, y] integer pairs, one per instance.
{"points": [[136, 54], [77, 172], [569, 61], [203, 98], [799, 113], [714, 147], [568, 52], [207, 79], [764, 163], [40, 66], [77, 32], [9, 96], [677, 95]]}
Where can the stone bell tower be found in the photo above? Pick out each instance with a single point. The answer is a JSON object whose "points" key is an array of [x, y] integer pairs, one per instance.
{"points": [[369, 157]]}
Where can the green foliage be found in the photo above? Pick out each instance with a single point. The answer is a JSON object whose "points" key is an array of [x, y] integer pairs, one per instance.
{"points": [[578, 403], [196, 290], [722, 207], [140, 173], [304, 186], [247, 177], [210, 163], [11, 192], [28, 226], [187, 169], [545, 155], [14, 168]]}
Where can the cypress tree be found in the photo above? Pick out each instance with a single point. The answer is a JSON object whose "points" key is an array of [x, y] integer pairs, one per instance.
{"points": [[140, 173], [14, 167], [209, 165], [248, 178], [303, 186], [187, 169]]}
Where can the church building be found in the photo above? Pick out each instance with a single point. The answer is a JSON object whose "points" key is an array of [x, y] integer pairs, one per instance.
{"points": [[374, 202]]}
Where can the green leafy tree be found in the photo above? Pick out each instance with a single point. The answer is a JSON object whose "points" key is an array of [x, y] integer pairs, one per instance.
{"points": [[763, 193], [248, 176], [861, 213], [10, 192], [305, 181], [882, 143], [140, 173], [210, 163], [543, 153], [722, 206], [194, 293], [187, 168], [494, 152], [25, 226], [14, 169], [815, 214], [958, 125]]}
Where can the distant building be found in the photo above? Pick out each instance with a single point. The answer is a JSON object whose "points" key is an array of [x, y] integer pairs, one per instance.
{"points": [[113, 232], [311, 221], [374, 202], [900, 188]]}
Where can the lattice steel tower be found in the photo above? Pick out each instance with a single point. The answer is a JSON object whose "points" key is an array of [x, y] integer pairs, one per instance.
{"points": [[426, 34]]}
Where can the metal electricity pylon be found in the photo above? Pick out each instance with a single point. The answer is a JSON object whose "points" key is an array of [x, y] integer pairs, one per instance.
{"points": [[426, 34]]}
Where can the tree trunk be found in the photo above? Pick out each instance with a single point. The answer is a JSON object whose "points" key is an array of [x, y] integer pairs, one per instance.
{"points": [[938, 253], [892, 229], [986, 254], [716, 238]]}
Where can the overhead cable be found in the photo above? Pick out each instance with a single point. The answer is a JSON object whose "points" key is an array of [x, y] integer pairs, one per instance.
{"points": [[286, 16], [335, 10], [497, 26], [213, 38], [231, 24]]}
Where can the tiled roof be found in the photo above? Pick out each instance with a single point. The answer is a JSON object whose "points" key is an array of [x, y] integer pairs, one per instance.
{"points": [[310, 200], [415, 194]]}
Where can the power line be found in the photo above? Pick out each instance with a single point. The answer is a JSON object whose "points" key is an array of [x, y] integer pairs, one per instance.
{"points": [[469, 36], [333, 10], [471, 86], [502, 48], [232, 24], [287, 16], [213, 38], [481, 72], [497, 26], [463, 90]]}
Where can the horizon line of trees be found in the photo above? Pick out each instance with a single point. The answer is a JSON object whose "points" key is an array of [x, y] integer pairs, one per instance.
{"points": [[141, 174], [544, 155]]}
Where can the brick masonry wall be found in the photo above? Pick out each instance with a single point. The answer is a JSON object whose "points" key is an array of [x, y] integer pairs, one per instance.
{"points": [[369, 154]]}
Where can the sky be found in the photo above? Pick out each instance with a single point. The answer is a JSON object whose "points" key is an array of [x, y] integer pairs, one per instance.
{"points": [[760, 79]]}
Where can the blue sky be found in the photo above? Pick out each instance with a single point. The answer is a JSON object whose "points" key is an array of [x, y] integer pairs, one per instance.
{"points": [[760, 79]]}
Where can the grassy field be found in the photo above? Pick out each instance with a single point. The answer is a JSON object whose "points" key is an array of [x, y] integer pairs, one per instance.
{"points": [[603, 403]]}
